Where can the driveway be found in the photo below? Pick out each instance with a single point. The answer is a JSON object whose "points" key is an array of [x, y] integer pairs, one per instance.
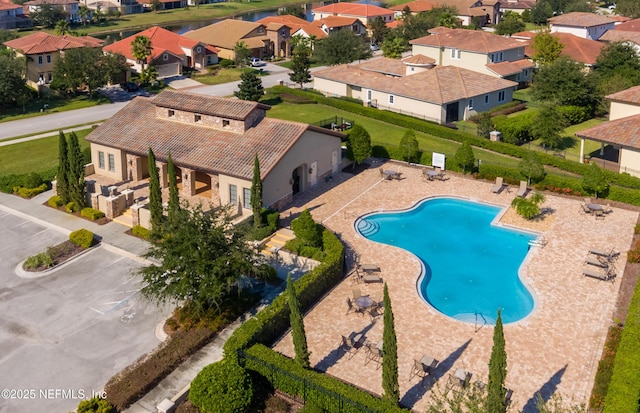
{"points": [[63, 335]]}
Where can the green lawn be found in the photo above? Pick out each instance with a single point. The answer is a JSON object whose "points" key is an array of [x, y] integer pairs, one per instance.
{"points": [[34, 156], [225, 76], [571, 144], [382, 133], [55, 105]]}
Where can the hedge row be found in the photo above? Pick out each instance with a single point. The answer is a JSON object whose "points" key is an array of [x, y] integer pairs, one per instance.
{"points": [[30, 192], [605, 368], [624, 389], [318, 388], [91, 213], [454, 135], [30, 180]]}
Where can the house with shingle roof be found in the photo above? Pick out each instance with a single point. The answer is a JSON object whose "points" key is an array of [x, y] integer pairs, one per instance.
{"points": [[477, 50], [586, 25], [264, 40], [516, 6], [333, 23], [170, 52], [41, 51], [213, 142], [622, 131], [413, 86], [629, 37]]}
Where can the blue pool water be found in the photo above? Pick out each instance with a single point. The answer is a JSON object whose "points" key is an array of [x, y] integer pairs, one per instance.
{"points": [[471, 267]]}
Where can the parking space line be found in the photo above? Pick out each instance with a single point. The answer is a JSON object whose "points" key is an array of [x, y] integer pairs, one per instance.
{"points": [[19, 225], [38, 233]]}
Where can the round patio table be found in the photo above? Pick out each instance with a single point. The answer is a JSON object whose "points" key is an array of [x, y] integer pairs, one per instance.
{"points": [[364, 302]]}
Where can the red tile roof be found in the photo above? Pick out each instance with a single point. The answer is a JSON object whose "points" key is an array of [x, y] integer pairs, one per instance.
{"points": [[287, 19], [60, 2], [631, 95], [42, 42], [442, 84], [580, 19], [577, 48], [394, 24], [511, 68], [631, 26], [418, 60], [471, 40], [337, 21], [353, 9], [620, 36], [310, 29], [136, 128], [161, 40], [416, 6], [10, 6], [624, 132]]}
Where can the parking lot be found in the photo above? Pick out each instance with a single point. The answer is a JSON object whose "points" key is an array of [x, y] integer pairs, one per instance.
{"points": [[63, 335]]}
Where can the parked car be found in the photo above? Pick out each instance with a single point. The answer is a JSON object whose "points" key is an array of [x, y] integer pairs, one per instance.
{"points": [[255, 62], [373, 47], [129, 86]]}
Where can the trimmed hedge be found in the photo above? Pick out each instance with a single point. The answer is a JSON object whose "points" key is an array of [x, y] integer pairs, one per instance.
{"points": [[30, 192], [605, 368], [444, 132], [72, 207], [141, 232], [30, 180], [82, 238], [92, 214], [55, 201], [624, 388]]}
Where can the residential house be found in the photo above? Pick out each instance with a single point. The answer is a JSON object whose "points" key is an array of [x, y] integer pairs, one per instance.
{"points": [[69, 7], [366, 13], [335, 23], [264, 40], [629, 26], [477, 50], [213, 142], [475, 12], [170, 52], [12, 16], [415, 7], [164, 4], [585, 25], [632, 38], [41, 51], [516, 6], [111, 6], [298, 26], [621, 132], [416, 87], [576, 48]]}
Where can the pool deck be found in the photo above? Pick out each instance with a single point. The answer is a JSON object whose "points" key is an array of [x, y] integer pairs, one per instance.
{"points": [[555, 349]]}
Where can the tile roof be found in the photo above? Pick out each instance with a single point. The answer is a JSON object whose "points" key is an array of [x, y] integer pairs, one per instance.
{"points": [[464, 7], [416, 6], [385, 65], [525, 35], [517, 5], [394, 24], [161, 40], [287, 19], [354, 9], [439, 85], [10, 6], [576, 48], [207, 105], [39, 2], [337, 21], [225, 33], [631, 95], [620, 36], [42, 42], [471, 40], [418, 60], [580, 19], [310, 29], [631, 25], [623, 131], [135, 128], [511, 68]]}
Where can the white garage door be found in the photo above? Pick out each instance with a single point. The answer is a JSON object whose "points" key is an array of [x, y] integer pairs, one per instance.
{"points": [[171, 69]]}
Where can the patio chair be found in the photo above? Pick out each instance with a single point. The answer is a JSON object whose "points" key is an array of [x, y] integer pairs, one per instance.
{"points": [[460, 379], [356, 293], [426, 176], [351, 307], [373, 354], [610, 256], [599, 214], [498, 186], [607, 209], [373, 313], [351, 345], [418, 369], [522, 191], [507, 396], [584, 209]]}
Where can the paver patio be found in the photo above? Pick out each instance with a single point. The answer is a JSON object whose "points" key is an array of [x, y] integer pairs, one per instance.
{"points": [[555, 349]]}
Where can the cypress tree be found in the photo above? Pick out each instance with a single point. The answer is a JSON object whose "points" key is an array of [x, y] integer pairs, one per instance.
{"points": [[389, 354], [62, 178], [297, 327], [256, 194], [496, 391], [155, 195], [174, 200], [75, 173]]}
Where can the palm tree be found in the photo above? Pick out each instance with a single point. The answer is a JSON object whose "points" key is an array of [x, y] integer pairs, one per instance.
{"points": [[62, 27], [141, 49], [83, 13]]}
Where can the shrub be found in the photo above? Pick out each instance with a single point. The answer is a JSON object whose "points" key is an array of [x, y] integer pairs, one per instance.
{"points": [[72, 207], [636, 230], [95, 405], [30, 192], [141, 232], [574, 114], [306, 229], [55, 201], [605, 368], [82, 238], [222, 387], [8, 182], [226, 63], [39, 260], [92, 214], [516, 129], [33, 180]]}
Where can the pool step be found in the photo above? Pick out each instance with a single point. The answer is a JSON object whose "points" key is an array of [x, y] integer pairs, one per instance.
{"points": [[368, 228]]}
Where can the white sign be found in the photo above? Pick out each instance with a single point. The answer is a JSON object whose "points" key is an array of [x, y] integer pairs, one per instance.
{"points": [[437, 160]]}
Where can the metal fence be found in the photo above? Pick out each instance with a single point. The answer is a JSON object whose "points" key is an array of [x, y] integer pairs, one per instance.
{"points": [[308, 392], [336, 123]]}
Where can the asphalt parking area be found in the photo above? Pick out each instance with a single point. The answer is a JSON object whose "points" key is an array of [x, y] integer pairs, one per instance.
{"points": [[63, 335]]}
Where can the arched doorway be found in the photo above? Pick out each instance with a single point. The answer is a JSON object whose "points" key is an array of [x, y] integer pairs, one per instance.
{"points": [[295, 181]]}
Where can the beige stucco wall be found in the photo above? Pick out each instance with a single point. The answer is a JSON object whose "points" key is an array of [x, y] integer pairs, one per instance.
{"points": [[311, 147], [34, 69], [329, 87], [119, 158], [622, 110], [225, 183], [630, 161]]}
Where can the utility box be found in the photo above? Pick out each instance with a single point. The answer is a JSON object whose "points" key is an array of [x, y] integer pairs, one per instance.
{"points": [[495, 136]]}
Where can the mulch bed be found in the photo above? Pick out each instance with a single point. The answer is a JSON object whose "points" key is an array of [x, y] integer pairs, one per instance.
{"points": [[59, 254]]}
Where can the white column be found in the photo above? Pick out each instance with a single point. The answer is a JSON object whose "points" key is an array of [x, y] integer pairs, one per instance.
{"points": [[581, 150]]}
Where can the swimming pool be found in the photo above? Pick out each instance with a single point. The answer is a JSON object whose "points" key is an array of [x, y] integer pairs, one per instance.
{"points": [[470, 266]]}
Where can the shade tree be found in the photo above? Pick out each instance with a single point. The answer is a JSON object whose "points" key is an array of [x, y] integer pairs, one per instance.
{"points": [[358, 144], [340, 47]]}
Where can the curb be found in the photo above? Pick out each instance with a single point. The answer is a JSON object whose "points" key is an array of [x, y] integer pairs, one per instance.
{"points": [[39, 274]]}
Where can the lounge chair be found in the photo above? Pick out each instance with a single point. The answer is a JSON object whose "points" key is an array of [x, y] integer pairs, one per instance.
{"points": [[522, 191], [371, 278], [596, 262], [608, 255], [498, 186], [606, 276], [373, 313]]}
